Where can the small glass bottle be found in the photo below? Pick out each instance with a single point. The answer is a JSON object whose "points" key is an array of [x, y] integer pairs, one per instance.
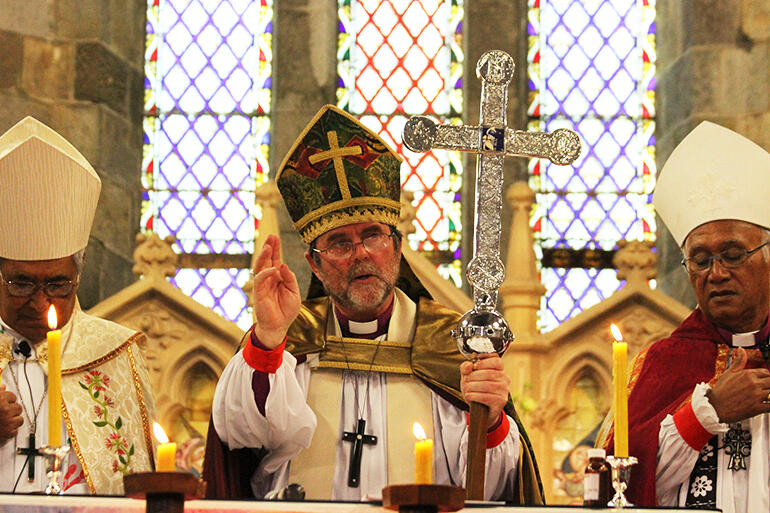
{"points": [[597, 480]]}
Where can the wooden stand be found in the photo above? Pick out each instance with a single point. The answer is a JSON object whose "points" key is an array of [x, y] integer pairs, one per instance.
{"points": [[477, 451], [423, 498], [164, 492]]}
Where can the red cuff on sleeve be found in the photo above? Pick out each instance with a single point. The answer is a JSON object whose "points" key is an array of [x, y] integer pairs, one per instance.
{"points": [[261, 359], [498, 432], [690, 428]]}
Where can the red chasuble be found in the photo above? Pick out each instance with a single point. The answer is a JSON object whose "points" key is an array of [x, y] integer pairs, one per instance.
{"points": [[661, 383]]}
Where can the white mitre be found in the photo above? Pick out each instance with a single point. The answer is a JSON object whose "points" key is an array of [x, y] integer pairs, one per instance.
{"points": [[713, 174], [48, 194]]}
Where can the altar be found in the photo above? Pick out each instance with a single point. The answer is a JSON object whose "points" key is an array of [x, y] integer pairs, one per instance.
{"points": [[76, 504]]}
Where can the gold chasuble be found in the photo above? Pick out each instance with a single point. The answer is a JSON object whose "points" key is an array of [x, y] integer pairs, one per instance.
{"points": [[429, 354], [107, 403]]}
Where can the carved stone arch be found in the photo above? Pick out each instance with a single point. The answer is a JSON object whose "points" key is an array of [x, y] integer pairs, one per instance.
{"points": [[171, 412], [571, 368], [179, 360]]}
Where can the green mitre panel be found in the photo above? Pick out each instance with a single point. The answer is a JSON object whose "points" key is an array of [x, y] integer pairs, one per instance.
{"points": [[338, 172]]}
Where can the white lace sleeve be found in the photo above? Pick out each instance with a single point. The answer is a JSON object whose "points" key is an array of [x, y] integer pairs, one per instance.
{"points": [[676, 459], [451, 433], [288, 424]]}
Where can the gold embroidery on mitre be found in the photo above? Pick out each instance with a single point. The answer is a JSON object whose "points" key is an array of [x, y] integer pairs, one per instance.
{"points": [[373, 203], [318, 227], [335, 153]]}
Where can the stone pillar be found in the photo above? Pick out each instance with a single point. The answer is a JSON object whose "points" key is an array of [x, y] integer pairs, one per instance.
{"points": [[713, 64], [304, 79], [521, 291], [78, 67]]}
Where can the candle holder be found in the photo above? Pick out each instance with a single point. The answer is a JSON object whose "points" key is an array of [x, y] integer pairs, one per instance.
{"points": [[423, 498], [55, 455], [164, 492], [621, 475]]}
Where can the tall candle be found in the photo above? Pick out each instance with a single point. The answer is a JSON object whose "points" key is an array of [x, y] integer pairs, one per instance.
{"points": [[423, 456], [54, 380], [620, 381], [165, 460]]}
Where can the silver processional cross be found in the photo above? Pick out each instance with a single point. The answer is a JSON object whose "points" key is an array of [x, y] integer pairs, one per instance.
{"points": [[483, 329], [492, 141]]}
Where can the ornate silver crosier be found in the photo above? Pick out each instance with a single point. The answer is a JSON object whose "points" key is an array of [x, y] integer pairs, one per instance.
{"points": [[483, 330]]}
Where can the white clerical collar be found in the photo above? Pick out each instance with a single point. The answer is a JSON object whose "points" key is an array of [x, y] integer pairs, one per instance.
{"points": [[744, 339], [362, 328]]}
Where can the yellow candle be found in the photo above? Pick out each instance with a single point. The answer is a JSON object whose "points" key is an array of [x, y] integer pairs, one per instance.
{"points": [[620, 381], [165, 460], [423, 456], [54, 380]]}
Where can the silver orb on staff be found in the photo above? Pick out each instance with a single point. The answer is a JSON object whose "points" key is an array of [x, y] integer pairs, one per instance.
{"points": [[483, 330]]}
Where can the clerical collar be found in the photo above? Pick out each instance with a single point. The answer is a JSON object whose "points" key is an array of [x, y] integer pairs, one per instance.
{"points": [[369, 329], [750, 339]]}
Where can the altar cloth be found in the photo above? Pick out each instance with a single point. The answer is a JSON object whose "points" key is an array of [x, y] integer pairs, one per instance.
{"points": [[89, 504]]}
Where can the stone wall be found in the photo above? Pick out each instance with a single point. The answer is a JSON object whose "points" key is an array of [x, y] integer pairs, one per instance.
{"points": [[304, 79], [77, 65], [713, 64]]}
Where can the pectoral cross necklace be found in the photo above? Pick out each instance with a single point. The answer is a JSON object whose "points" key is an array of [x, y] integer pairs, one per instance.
{"points": [[31, 452], [358, 437]]}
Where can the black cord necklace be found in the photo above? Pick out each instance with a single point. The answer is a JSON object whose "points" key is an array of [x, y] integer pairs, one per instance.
{"points": [[358, 437], [30, 451]]}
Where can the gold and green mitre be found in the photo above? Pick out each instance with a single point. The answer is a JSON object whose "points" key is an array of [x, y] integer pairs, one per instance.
{"points": [[338, 172]]}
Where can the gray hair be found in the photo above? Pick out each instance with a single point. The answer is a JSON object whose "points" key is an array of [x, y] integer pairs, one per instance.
{"points": [[766, 249], [79, 259]]}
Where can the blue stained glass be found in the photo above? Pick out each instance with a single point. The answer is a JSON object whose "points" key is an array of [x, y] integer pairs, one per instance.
{"points": [[206, 135], [592, 69]]}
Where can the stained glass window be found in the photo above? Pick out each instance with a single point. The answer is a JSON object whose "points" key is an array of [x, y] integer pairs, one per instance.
{"points": [[397, 59], [206, 138], [591, 68]]}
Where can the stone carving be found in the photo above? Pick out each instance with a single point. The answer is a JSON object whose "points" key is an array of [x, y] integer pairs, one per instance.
{"points": [[153, 257], [635, 261]]}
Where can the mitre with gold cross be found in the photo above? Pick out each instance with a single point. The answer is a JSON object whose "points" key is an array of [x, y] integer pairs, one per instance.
{"points": [[338, 172]]}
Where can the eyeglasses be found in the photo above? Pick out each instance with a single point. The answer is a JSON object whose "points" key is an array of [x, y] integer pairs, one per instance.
{"points": [[53, 288], [344, 249], [730, 259]]}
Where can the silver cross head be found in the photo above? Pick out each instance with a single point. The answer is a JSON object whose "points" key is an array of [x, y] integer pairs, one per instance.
{"points": [[492, 141]]}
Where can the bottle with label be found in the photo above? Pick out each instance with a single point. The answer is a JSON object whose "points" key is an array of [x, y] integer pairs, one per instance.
{"points": [[597, 481]]}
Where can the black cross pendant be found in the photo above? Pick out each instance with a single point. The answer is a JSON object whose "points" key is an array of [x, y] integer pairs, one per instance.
{"points": [[31, 452], [359, 439]]}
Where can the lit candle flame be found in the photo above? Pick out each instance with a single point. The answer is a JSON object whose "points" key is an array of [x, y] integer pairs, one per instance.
{"points": [[52, 318], [418, 431], [616, 333], [159, 433]]}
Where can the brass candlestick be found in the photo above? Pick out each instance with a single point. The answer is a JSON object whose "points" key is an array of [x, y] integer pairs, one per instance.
{"points": [[55, 455]]}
